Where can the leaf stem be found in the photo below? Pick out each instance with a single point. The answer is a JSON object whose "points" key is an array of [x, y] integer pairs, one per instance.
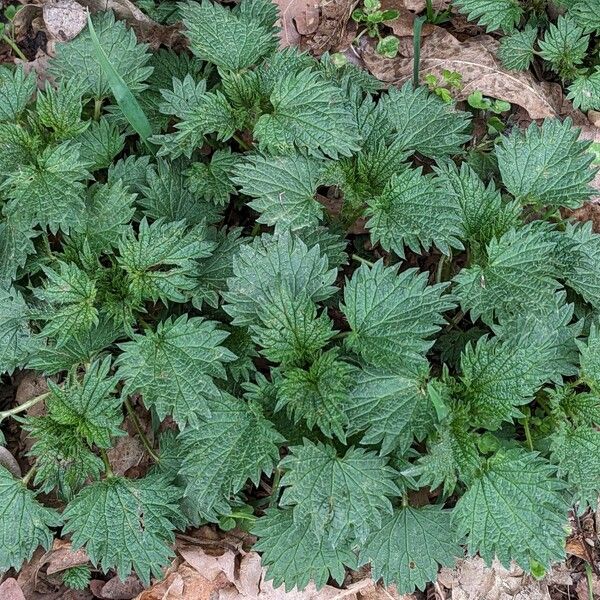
{"points": [[15, 48], [275, 488], [106, 462], [27, 477], [362, 260], [138, 427], [241, 142], [97, 108], [528, 433], [23, 407], [418, 27], [440, 268], [590, 581]]}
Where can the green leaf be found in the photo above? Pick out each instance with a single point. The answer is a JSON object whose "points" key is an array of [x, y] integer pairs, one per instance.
{"points": [[60, 110], [78, 61], [50, 191], [392, 315], [514, 511], [411, 546], [284, 189], [576, 451], [232, 40], [15, 247], [341, 495], [564, 46], [412, 211], [284, 258], [557, 170], [16, 89], [318, 395], [295, 554], [427, 124], [125, 524], [160, 259], [518, 274], [309, 114], [234, 445], [390, 409], [214, 180], [99, 144], [586, 14], [516, 51], [492, 14], [19, 506], [89, 405], [590, 358], [584, 92], [174, 367], [77, 578]]}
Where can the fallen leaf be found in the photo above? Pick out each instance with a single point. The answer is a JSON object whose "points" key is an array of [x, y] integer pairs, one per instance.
{"points": [[583, 591], [11, 590], [209, 566], [335, 29], [297, 18], [64, 19], [62, 557], [9, 462], [420, 5], [576, 547], [475, 60], [115, 589], [404, 24]]}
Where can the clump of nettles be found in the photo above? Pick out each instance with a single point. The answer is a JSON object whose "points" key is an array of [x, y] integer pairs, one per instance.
{"points": [[200, 275], [568, 46]]}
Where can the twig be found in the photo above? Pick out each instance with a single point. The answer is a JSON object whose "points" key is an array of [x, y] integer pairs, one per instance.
{"points": [[23, 407], [362, 260], [439, 591], [353, 589]]}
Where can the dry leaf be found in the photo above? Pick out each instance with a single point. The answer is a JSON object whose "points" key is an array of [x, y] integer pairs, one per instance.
{"points": [[9, 462], [64, 19], [403, 25], [11, 590], [115, 589], [63, 557], [208, 566], [297, 18], [335, 30], [475, 60]]}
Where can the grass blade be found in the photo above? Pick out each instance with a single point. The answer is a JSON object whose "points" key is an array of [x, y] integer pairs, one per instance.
{"points": [[125, 99]]}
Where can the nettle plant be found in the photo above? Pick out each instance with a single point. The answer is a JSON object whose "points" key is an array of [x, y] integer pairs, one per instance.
{"points": [[569, 46], [387, 397]]}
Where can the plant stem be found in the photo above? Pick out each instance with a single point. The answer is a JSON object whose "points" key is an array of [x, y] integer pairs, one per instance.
{"points": [[590, 582], [440, 268], [430, 13], [97, 108], [106, 462], [341, 335], [27, 477], [242, 516], [362, 260], [528, 433], [275, 488], [23, 407], [15, 48], [241, 142], [418, 27], [138, 427]]}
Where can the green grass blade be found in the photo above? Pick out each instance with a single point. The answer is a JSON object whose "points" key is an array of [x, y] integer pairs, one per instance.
{"points": [[125, 99]]}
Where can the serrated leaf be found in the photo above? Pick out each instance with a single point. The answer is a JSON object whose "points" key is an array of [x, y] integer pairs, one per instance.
{"points": [[17, 544], [516, 51], [557, 170], [309, 114], [340, 494], [392, 314], [99, 144], [319, 394], [49, 192], [284, 189], [16, 89], [60, 110], [160, 259], [514, 511], [77, 61], [590, 358], [232, 40], [584, 92], [564, 46], [175, 366], [576, 451], [412, 211], [235, 445], [586, 14], [131, 170], [519, 274], [285, 258], [214, 180], [15, 246], [411, 546], [492, 14], [295, 554], [427, 124], [16, 342], [125, 524], [391, 409]]}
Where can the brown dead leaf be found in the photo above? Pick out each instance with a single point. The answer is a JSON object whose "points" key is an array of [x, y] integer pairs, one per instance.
{"points": [[420, 5], [403, 25], [9, 462], [64, 19], [115, 589], [475, 60], [209, 566], [335, 29], [583, 591], [62, 557], [576, 547], [11, 590], [297, 18]]}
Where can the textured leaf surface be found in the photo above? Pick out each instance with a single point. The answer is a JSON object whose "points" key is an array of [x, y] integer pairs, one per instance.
{"points": [[16, 342], [492, 14], [392, 315], [295, 554], [341, 494], [125, 524], [514, 511], [18, 505], [557, 170], [410, 546], [584, 92], [174, 367], [564, 46], [516, 51], [16, 89], [235, 445]]}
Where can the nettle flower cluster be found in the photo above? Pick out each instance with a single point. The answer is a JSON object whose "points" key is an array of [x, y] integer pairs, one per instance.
{"points": [[200, 275]]}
